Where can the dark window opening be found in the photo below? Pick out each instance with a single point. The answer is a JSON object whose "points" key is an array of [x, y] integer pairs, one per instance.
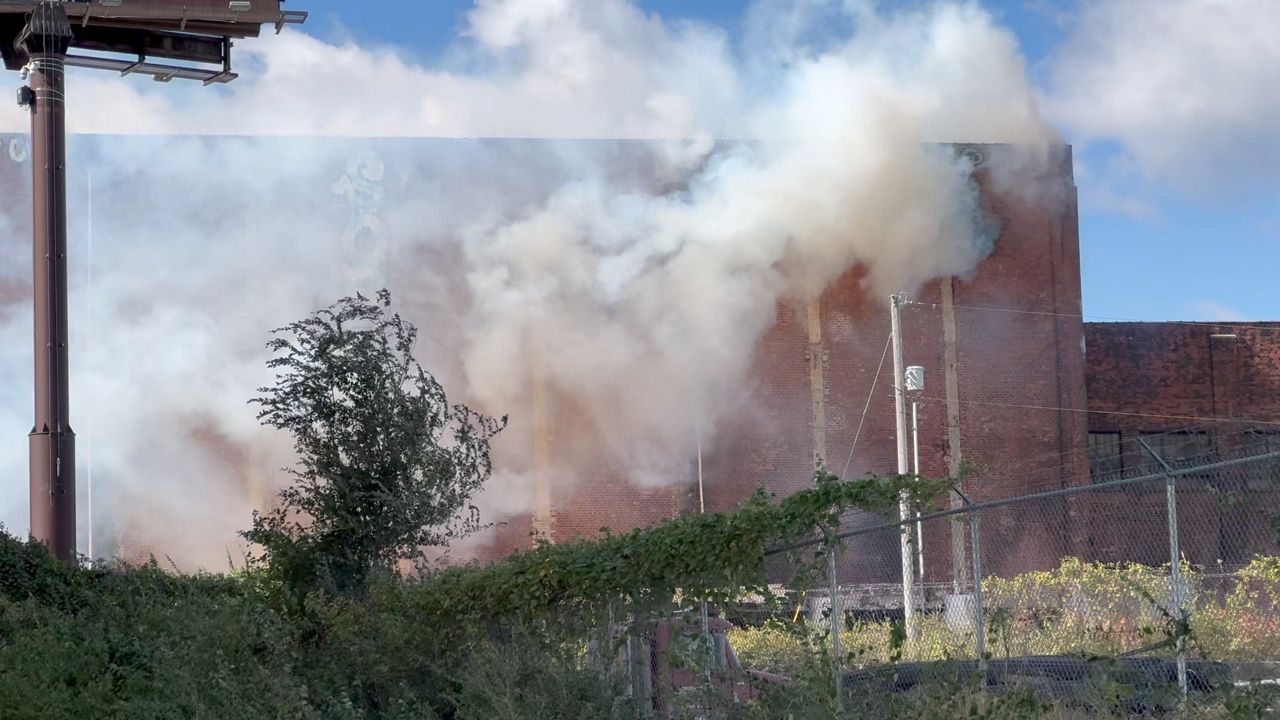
{"points": [[1181, 450], [1106, 462]]}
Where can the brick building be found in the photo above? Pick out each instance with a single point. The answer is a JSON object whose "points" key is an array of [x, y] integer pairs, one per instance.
{"points": [[1004, 352], [1195, 393], [1018, 386], [814, 371]]}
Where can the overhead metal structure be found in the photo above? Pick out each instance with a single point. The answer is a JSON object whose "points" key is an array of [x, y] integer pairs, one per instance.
{"points": [[186, 31], [166, 39]]}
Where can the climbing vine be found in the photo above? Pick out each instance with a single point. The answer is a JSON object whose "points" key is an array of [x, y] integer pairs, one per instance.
{"points": [[717, 557]]}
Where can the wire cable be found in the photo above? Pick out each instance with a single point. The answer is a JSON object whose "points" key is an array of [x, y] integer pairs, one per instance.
{"points": [[867, 407], [1157, 416], [1261, 325]]}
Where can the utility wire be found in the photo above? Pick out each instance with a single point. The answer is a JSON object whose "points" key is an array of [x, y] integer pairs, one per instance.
{"points": [[867, 407], [1056, 461], [1191, 323], [1192, 418]]}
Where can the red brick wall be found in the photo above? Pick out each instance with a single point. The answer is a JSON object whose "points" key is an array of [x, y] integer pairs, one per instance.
{"points": [[1031, 358], [1209, 378], [1181, 369], [1128, 525]]}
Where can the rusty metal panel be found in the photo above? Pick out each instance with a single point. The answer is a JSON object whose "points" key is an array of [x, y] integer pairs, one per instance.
{"points": [[156, 44], [260, 11], [188, 31], [193, 31], [201, 27]]}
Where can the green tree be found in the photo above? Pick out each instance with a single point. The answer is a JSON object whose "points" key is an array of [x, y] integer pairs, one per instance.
{"points": [[386, 465]]}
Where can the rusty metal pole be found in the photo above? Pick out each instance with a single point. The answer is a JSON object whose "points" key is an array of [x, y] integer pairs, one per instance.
{"points": [[47, 37]]}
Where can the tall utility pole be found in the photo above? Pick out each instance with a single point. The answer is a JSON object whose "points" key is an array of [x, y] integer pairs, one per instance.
{"points": [[46, 39], [904, 501], [36, 37]]}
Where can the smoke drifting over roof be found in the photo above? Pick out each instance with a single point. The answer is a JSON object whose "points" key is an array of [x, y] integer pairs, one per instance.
{"points": [[635, 277]]}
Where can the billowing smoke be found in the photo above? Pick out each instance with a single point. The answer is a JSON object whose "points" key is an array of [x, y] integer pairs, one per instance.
{"points": [[632, 280]]}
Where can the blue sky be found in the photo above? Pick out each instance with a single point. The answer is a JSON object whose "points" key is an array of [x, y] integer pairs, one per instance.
{"points": [[1150, 249], [435, 24]]}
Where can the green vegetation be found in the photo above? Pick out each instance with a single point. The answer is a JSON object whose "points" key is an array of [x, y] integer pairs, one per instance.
{"points": [[386, 464], [142, 643], [320, 625], [138, 642], [1076, 609]]}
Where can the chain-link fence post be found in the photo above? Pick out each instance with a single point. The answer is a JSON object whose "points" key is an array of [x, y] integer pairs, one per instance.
{"points": [[979, 611], [640, 672], [1178, 611], [837, 618], [1175, 579]]}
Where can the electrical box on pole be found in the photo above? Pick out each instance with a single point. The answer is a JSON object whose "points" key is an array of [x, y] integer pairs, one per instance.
{"points": [[914, 378], [40, 38]]}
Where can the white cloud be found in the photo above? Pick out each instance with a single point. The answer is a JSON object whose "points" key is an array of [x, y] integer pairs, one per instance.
{"points": [[1112, 186], [538, 68], [1209, 310], [1187, 87]]}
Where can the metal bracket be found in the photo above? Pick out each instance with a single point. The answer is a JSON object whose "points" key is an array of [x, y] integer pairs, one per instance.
{"points": [[142, 59], [226, 75], [291, 17]]}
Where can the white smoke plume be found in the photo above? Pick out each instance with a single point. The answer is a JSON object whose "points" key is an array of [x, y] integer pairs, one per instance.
{"points": [[637, 277]]}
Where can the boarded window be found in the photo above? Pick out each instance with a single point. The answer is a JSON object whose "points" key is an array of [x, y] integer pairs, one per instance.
{"points": [[1106, 462], [1182, 450], [1264, 474]]}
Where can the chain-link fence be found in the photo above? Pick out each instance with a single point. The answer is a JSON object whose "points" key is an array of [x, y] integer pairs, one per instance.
{"points": [[1156, 580]]}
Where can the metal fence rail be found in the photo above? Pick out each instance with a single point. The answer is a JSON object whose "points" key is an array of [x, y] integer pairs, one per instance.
{"points": [[1164, 563]]}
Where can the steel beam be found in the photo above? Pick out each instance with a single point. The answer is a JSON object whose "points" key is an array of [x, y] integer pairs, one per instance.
{"points": [[159, 71], [260, 12], [151, 44]]}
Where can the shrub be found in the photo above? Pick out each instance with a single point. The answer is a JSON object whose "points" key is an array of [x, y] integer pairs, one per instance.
{"points": [[790, 650], [521, 681], [386, 465]]}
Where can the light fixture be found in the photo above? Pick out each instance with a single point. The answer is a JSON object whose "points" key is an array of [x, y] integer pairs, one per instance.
{"points": [[240, 5]]}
